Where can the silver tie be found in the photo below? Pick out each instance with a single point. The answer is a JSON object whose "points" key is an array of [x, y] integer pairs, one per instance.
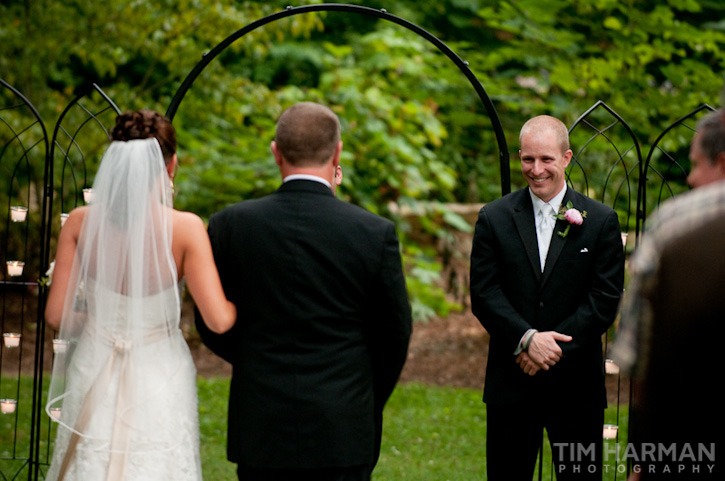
{"points": [[544, 232]]}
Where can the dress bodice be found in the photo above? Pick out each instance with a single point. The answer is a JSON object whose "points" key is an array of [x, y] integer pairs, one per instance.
{"points": [[113, 309]]}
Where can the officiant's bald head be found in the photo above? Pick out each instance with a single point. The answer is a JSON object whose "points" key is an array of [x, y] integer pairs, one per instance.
{"points": [[307, 134]]}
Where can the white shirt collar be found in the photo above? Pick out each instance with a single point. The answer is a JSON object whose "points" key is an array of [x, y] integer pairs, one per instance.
{"points": [[307, 177], [555, 202]]}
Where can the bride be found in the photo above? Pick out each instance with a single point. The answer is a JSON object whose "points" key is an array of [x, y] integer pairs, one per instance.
{"points": [[123, 388]]}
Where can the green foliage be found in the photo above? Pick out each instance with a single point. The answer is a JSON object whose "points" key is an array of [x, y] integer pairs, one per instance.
{"points": [[414, 129], [422, 279]]}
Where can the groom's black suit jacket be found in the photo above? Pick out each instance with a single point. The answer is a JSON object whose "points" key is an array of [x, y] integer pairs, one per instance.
{"points": [[322, 328], [577, 294]]}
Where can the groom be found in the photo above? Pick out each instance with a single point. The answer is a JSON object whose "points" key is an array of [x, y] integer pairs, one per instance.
{"points": [[323, 315], [546, 290]]}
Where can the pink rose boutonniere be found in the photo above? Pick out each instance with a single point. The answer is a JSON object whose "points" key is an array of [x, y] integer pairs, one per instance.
{"points": [[572, 216]]}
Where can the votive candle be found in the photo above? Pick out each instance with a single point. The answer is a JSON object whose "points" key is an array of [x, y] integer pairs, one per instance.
{"points": [[18, 213], [610, 367], [11, 339], [88, 195], [60, 346], [610, 431], [7, 406], [15, 268]]}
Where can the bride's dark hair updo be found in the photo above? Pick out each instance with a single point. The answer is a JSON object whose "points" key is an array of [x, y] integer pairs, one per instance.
{"points": [[144, 124]]}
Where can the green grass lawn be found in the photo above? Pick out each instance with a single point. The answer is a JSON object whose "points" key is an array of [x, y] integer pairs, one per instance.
{"points": [[430, 434]]}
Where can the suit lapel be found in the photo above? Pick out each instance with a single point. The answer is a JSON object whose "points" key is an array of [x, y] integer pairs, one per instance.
{"points": [[557, 241], [525, 224]]}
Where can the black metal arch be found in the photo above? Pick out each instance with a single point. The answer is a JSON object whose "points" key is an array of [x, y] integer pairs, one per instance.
{"points": [[603, 132], [63, 139], [71, 137], [31, 461], [462, 65]]}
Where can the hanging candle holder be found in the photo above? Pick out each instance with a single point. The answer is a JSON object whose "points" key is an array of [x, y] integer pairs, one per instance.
{"points": [[18, 213], [11, 339], [55, 414], [610, 367], [15, 268], [60, 346], [610, 431], [7, 406]]}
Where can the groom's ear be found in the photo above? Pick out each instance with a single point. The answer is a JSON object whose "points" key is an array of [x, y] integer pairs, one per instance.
{"points": [[336, 157], [277, 154], [567, 157]]}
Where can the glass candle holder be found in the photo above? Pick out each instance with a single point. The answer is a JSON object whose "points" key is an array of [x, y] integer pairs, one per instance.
{"points": [[610, 431], [610, 367], [63, 218], [624, 238], [11, 339], [7, 406], [15, 268], [18, 213], [60, 346], [55, 414], [88, 195]]}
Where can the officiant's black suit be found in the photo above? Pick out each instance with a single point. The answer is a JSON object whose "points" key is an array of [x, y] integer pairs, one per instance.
{"points": [[577, 294], [322, 330]]}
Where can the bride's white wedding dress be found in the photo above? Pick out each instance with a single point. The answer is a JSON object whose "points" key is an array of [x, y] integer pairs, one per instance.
{"points": [[125, 383], [157, 439]]}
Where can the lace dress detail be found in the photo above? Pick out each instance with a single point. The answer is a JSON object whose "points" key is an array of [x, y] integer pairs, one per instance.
{"points": [[155, 435]]}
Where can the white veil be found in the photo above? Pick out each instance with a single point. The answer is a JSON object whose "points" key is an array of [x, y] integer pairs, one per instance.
{"points": [[113, 361]]}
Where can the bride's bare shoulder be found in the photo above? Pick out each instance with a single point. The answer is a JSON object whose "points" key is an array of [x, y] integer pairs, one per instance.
{"points": [[187, 222], [78, 212], [74, 219]]}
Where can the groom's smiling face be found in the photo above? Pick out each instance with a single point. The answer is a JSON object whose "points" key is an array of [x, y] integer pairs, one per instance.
{"points": [[544, 163]]}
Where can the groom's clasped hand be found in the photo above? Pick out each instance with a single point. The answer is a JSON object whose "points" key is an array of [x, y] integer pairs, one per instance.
{"points": [[543, 352]]}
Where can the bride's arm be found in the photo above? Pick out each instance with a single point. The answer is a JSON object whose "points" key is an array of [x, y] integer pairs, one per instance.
{"points": [[67, 243], [202, 278]]}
